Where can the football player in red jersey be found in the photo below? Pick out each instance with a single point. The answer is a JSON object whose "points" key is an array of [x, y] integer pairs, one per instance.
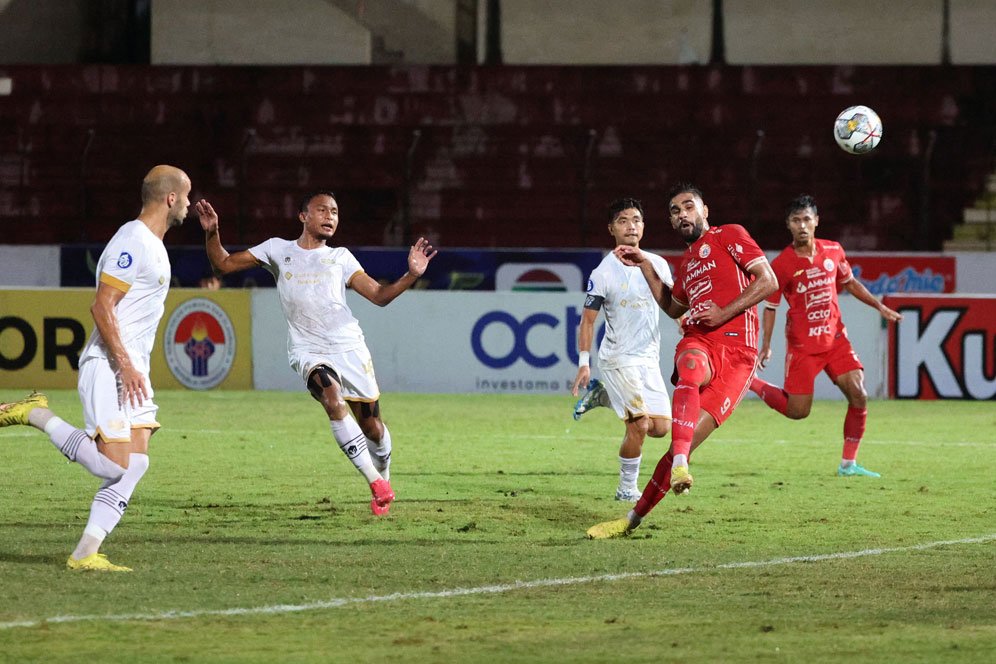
{"points": [[810, 273], [722, 277]]}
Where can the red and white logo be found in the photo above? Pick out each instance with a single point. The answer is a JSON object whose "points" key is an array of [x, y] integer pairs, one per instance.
{"points": [[199, 344]]}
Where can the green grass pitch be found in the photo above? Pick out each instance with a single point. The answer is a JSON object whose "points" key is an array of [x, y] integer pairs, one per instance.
{"points": [[252, 540]]}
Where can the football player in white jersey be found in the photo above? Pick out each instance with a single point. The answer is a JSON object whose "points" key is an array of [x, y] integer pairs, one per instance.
{"points": [[133, 277], [324, 343], [629, 355]]}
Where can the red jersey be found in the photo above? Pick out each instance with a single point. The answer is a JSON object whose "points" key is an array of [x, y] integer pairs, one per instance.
{"points": [[810, 286], [714, 269]]}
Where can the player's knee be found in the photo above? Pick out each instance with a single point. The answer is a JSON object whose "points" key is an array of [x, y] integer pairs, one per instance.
{"points": [[797, 412], [693, 369], [858, 400], [659, 427], [639, 426], [138, 464]]}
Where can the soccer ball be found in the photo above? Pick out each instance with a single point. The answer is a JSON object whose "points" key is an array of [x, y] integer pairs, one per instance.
{"points": [[857, 129]]}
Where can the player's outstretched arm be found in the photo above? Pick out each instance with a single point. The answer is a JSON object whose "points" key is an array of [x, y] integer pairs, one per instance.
{"points": [[858, 290], [222, 262], [382, 294]]}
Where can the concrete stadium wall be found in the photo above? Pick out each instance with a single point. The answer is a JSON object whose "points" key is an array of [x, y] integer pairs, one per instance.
{"points": [[270, 32], [769, 32]]}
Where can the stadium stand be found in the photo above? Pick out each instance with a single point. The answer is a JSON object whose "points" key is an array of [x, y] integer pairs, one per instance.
{"points": [[504, 157]]}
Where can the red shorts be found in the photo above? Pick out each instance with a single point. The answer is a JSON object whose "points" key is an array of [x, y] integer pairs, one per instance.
{"points": [[801, 368], [732, 370]]}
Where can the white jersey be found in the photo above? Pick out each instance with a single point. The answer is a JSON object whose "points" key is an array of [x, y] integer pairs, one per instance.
{"points": [[632, 315], [135, 262], [312, 284]]}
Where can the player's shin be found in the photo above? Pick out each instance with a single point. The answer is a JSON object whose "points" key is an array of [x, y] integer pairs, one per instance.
{"points": [[76, 446], [109, 505], [854, 431], [775, 397], [380, 453], [353, 443], [657, 487], [686, 415]]}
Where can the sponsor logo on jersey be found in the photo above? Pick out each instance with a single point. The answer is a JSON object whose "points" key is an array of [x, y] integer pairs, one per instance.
{"points": [[813, 273], [591, 285], [816, 283], [818, 298], [124, 260], [800, 288], [199, 344], [797, 273], [819, 330], [698, 289], [817, 314], [697, 269]]}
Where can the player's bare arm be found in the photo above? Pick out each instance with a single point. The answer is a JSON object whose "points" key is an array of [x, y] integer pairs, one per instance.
{"points": [[382, 294], [105, 317], [764, 284], [586, 333], [858, 290], [222, 262], [767, 328]]}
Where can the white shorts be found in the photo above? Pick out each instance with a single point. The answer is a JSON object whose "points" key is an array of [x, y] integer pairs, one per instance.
{"points": [[103, 413], [354, 367], [637, 390]]}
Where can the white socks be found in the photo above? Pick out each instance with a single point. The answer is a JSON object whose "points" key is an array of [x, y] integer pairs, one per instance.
{"points": [[380, 453], [109, 505], [629, 472], [79, 447], [353, 443], [679, 461]]}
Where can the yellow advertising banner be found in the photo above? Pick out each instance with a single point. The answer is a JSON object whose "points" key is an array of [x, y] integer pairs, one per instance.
{"points": [[204, 339]]}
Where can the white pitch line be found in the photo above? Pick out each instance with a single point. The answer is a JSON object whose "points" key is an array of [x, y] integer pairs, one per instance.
{"points": [[485, 590]]}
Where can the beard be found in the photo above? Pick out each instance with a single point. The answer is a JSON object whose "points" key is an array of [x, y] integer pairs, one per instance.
{"points": [[692, 235]]}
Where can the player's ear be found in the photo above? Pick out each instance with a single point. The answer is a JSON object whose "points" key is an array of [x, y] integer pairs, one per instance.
{"points": [[705, 211]]}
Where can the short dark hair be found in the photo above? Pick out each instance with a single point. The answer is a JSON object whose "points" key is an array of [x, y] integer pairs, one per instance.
{"points": [[308, 197], [681, 188], [620, 204], [801, 202]]}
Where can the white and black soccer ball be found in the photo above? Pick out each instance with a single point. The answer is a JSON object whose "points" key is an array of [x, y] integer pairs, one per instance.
{"points": [[857, 129]]}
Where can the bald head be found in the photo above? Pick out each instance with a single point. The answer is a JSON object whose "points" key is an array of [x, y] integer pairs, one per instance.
{"points": [[165, 198], [161, 181]]}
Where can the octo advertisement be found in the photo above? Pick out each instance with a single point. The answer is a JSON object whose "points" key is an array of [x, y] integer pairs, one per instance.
{"points": [[203, 342], [944, 348]]}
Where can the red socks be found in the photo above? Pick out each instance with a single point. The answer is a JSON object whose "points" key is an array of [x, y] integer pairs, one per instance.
{"points": [[656, 488], [854, 431], [775, 397]]}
